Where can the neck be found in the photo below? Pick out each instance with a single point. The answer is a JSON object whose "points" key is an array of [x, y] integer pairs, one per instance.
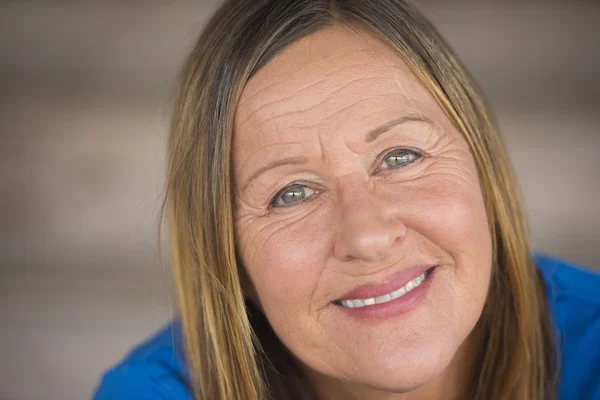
{"points": [[454, 383]]}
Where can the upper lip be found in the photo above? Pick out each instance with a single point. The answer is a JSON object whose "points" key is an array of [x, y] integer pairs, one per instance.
{"points": [[393, 282]]}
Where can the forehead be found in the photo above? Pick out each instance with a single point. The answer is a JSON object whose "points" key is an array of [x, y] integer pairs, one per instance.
{"points": [[337, 79]]}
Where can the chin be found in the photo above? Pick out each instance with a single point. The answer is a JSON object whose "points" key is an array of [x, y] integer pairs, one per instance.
{"points": [[407, 372]]}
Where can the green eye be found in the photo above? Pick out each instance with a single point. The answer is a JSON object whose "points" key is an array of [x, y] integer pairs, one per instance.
{"points": [[291, 195], [401, 157]]}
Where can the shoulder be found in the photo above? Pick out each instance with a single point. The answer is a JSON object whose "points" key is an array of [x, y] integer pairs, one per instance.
{"points": [[565, 280], [573, 295], [154, 370]]}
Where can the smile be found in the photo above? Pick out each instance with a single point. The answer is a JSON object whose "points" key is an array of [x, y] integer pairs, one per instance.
{"points": [[357, 303]]}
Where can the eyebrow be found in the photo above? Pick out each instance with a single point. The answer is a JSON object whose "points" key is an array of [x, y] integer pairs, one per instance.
{"points": [[375, 133], [275, 164], [371, 136]]}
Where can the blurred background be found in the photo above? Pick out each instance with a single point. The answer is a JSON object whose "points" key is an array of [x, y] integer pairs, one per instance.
{"points": [[85, 90]]}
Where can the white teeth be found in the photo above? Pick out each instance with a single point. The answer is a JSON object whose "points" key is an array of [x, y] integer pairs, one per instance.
{"points": [[383, 299], [398, 293], [357, 303], [369, 302]]}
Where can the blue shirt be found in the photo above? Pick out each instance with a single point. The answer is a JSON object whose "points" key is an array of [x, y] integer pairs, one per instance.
{"points": [[155, 370]]}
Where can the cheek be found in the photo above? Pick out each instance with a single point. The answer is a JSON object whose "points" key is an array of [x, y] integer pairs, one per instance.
{"points": [[454, 217], [451, 215], [284, 257]]}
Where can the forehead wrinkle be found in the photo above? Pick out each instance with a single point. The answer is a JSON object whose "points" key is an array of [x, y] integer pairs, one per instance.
{"points": [[320, 133], [273, 119], [329, 97], [308, 69], [304, 46], [308, 86]]}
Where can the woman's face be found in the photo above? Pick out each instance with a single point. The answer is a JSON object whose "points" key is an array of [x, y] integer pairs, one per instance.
{"points": [[352, 184]]}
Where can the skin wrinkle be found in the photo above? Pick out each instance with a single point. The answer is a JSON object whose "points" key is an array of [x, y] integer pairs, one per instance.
{"points": [[360, 102], [249, 161], [364, 224], [285, 54], [273, 231], [342, 354], [245, 185], [301, 90], [321, 78], [380, 58], [306, 88], [315, 106], [291, 114]]}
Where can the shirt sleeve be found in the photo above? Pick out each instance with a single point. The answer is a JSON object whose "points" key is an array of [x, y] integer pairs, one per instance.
{"points": [[142, 382], [153, 370], [574, 302]]}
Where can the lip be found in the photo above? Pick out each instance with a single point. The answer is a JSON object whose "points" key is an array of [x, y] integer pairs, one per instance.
{"points": [[395, 308], [396, 281]]}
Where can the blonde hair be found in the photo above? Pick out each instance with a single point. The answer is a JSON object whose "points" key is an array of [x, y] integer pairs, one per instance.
{"points": [[231, 352]]}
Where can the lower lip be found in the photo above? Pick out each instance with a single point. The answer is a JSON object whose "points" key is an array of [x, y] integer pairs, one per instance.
{"points": [[401, 305]]}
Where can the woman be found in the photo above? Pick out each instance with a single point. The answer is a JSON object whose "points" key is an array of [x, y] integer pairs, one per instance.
{"points": [[345, 225]]}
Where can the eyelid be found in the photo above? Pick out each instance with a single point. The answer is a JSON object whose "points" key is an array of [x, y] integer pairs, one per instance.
{"points": [[420, 153], [274, 198]]}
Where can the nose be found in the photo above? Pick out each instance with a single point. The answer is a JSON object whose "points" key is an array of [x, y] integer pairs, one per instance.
{"points": [[368, 228]]}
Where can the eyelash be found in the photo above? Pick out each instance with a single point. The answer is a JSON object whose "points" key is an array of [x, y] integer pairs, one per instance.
{"points": [[272, 203], [411, 150], [418, 154]]}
